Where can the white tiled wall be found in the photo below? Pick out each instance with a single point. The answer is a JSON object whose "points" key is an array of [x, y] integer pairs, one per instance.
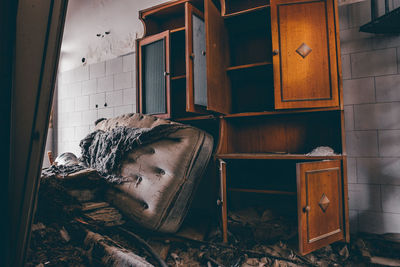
{"points": [[110, 85], [372, 119]]}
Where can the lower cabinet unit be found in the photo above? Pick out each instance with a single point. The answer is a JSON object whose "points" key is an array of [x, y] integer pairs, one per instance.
{"points": [[269, 160], [316, 181]]}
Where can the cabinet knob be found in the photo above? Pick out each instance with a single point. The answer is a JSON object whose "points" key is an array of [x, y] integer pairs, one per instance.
{"points": [[191, 56], [306, 209], [166, 73], [203, 53], [275, 52]]}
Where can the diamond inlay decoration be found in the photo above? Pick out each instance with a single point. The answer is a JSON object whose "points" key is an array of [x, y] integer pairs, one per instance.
{"points": [[304, 50], [324, 202]]}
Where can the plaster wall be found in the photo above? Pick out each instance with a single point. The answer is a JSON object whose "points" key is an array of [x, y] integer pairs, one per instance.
{"points": [[87, 19]]}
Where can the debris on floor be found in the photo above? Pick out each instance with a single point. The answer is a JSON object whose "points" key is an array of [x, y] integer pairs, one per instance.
{"points": [[79, 228], [92, 244]]}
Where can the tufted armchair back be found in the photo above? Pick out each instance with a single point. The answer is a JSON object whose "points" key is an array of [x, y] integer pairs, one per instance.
{"points": [[162, 176]]}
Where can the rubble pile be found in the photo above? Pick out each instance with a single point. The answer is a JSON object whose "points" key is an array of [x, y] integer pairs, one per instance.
{"points": [[75, 226], [63, 244]]}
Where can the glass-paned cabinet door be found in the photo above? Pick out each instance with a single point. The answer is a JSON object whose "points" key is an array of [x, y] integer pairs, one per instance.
{"points": [[154, 78], [196, 95]]}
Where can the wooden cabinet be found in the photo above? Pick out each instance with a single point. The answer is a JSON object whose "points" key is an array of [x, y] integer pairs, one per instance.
{"points": [[263, 77]]}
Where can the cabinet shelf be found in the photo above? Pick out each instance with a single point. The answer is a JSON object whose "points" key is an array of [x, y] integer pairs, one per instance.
{"points": [[275, 156], [246, 11], [179, 77], [249, 66], [196, 118], [270, 192], [180, 29], [279, 112]]}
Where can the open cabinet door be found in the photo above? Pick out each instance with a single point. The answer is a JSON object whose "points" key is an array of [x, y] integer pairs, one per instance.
{"points": [[154, 75], [304, 54], [196, 76], [218, 89], [319, 202]]}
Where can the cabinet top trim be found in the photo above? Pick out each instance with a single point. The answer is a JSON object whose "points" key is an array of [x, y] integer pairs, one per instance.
{"points": [[164, 6]]}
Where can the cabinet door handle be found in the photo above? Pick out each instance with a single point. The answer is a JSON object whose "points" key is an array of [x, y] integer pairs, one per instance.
{"points": [[306, 209], [275, 52]]}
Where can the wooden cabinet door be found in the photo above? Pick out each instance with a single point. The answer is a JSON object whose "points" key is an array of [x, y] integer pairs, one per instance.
{"points": [[154, 75], [319, 202], [217, 56], [196, 76], [304, 53]]}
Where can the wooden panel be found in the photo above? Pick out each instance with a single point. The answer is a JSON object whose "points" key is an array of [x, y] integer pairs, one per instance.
{"points": [[305, 64], [177, 64], [296, 134], [346, 201], [223, 199], [320, 205], [239, 6], [164, 36], [338, 55], [218, 91], [249, 38], [166, 16], [252, 89], [224, 135], [258, 191]]}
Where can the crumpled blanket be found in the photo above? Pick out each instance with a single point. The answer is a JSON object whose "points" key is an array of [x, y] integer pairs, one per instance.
{"points": [[105, 150]]}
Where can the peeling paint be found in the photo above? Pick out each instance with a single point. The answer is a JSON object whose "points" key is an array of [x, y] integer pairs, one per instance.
{"points": [[86, 19]]}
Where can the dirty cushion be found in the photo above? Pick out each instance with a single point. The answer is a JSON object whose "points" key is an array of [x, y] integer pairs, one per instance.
{"points": [[161, 177]]}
